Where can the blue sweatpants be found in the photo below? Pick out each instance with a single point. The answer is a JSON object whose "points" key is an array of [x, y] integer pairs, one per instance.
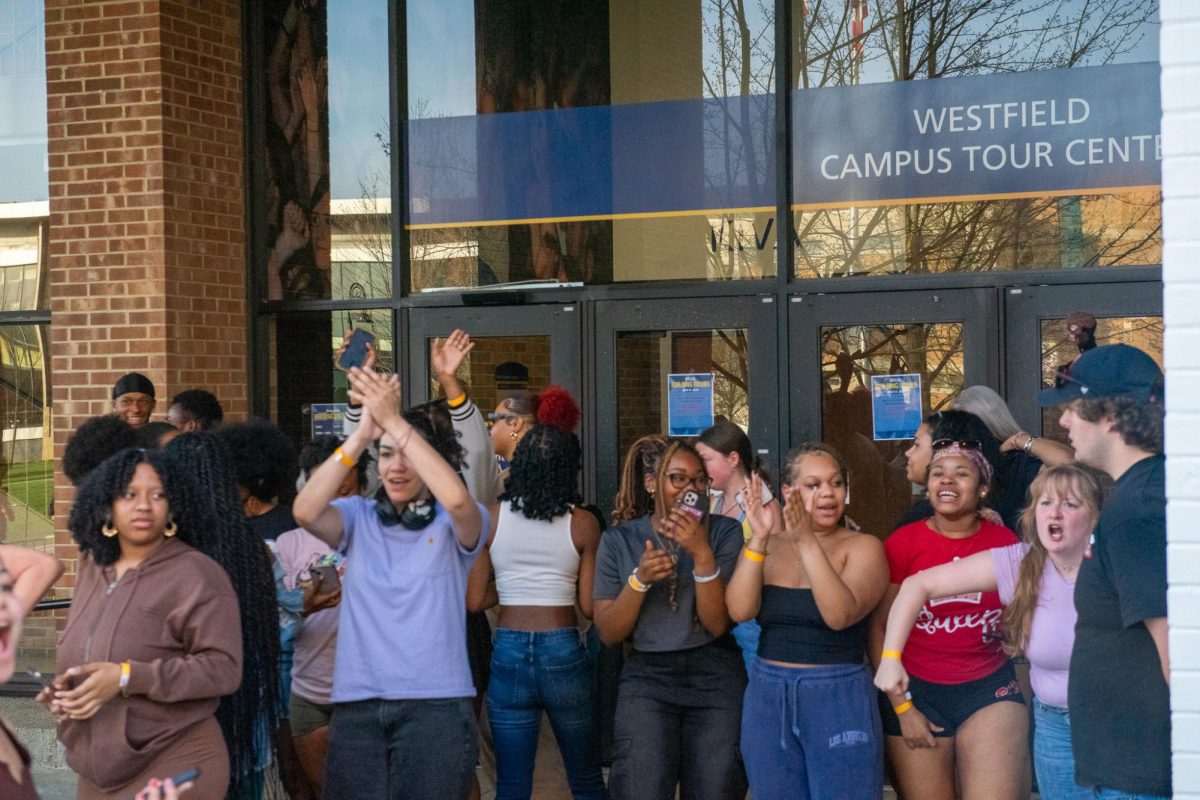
{"points": [[812, 733]]}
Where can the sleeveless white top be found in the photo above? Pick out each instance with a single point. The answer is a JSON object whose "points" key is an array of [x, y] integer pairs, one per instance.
{"points": [[535, 560]]}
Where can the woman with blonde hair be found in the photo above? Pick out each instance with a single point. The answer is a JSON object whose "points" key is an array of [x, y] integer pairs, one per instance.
{"points": [[1036, 582]]}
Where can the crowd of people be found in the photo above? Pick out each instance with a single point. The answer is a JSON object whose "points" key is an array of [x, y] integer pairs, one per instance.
{"points": [[385, 614]]}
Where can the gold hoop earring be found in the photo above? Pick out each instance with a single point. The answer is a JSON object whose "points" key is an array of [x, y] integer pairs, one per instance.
{"points": [[513, 435], [171, 529], [108, 529]]}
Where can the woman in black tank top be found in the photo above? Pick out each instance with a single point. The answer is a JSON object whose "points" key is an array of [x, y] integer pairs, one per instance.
{"points": [[810, 724]]}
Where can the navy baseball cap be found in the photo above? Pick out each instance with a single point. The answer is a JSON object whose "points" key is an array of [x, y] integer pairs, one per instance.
{"points": [[1108, 371]]}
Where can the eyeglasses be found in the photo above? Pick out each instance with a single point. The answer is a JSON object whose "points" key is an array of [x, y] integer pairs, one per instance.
{"points": [[965, 444], [680, 480], [497, 416]]}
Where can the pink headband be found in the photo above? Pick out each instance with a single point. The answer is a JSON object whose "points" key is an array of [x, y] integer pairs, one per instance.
{"points": [[972, 454]]}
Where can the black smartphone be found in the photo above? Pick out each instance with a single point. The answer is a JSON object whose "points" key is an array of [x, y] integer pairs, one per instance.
{"points": [[356, 349], [327, 578]]}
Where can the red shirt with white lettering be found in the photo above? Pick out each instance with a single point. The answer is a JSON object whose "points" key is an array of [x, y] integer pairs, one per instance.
{"points": [[955, 639]]}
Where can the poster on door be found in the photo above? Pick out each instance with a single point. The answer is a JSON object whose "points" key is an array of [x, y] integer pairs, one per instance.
{"points": [[328, 419], [689, 403], [895, 406]]}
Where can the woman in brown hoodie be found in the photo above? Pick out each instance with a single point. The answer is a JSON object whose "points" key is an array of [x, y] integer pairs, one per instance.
{"points": [[152, 641]]}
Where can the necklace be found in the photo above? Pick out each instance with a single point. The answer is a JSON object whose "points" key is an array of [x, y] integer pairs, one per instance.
{"points": [[1065, 571], [937, 528]]}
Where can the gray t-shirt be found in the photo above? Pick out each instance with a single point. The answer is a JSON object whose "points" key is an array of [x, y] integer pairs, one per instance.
{"points": [[659, 628]]}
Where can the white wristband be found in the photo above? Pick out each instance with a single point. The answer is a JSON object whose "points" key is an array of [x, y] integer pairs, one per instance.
{"points": [[706, 578], [636, 585]]}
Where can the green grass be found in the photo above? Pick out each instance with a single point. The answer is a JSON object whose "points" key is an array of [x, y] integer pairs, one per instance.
{"points": [[31, 484]]}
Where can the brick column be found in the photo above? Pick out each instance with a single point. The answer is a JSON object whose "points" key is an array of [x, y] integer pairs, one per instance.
{"points": [[147, 219]]}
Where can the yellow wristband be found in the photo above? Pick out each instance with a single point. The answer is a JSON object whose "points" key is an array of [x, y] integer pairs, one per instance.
{"points": [[126, 673], [346, 460], [457, 402], [890, 654], [905, 706], [754, 555], [636, 585]]}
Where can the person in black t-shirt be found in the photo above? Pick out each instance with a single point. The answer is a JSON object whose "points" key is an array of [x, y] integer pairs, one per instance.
{"points": [[1118, 687]]}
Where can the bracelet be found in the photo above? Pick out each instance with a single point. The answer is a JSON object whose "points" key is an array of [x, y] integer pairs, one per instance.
{"points": [[346, 460], [905, 706], [126, 672], [706, 578], [890, 654], [754, 555], [636, 585], [458, 402], [1028, 447]]}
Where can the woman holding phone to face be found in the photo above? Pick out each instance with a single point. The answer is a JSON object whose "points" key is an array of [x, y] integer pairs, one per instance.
{"points": [[810, 723], [660, 581], [403, 721]]}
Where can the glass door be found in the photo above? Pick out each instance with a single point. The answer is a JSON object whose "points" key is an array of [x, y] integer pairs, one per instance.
{"points": [[864, 369], [1041, 340], [674, 366], [516, 347]]}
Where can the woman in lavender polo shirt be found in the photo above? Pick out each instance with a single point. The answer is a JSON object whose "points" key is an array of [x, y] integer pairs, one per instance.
{"points": [[1036, 582], [403, 721]]}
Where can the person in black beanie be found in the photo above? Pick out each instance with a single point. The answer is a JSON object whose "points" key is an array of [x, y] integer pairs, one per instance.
{"points": [[133, 399]]}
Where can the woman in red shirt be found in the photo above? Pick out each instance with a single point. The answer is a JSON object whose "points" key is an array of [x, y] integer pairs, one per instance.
{"points": [[962, 728]]}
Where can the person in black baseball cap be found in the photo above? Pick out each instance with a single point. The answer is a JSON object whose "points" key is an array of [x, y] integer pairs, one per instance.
{"points": [[133, 398], [1117, 689]]}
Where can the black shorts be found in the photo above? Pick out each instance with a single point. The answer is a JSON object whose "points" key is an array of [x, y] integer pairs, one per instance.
{"points": [[949, 705]]}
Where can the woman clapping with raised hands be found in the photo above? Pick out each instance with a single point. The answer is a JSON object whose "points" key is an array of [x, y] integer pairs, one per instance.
{"points": [[810, 726], [403, 723]]}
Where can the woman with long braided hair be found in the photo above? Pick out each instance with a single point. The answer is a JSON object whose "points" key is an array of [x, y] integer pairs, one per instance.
{"points": [[248, 717]]}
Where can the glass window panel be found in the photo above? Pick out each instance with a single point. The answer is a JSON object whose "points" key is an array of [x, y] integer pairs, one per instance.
{"points": [[27, 466], [23, 143], [302, 346], [593, 142], [479, 372], [1058, 350], [850, 355], [23, 258], [327, 205], [645, 359], [834, 47]]}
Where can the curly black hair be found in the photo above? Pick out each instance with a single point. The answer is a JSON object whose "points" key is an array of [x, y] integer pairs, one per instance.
{"points": [[264, 457], [320, 448], [93, 442], [244, 556], [93, 502], [543, 480], [1139, 422], [202, 406]]}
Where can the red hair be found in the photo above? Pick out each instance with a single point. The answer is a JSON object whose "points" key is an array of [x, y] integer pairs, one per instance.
{"points": [[556, 407]]}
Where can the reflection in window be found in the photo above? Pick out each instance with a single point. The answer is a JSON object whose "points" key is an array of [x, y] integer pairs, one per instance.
{"points": [[23, 257], [327, 197], [301, 362], [23, 143], [596, 142], [850, 355], [1059, 349], [933, 39], [644, 359]]}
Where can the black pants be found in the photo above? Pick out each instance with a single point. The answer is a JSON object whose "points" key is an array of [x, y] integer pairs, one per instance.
{"points": [[411, 749], [679, 718]]}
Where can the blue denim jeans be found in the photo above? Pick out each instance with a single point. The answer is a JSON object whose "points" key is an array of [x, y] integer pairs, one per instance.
{"points": [[535, 672], [747, 635], [1053, 760], [384, 749], [810, 733]]}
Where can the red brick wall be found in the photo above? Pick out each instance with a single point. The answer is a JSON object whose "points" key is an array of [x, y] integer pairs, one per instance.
{"points": [[147, 220]]}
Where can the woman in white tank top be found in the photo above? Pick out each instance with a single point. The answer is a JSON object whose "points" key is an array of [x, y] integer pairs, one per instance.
{"points": [[543, 550]]}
